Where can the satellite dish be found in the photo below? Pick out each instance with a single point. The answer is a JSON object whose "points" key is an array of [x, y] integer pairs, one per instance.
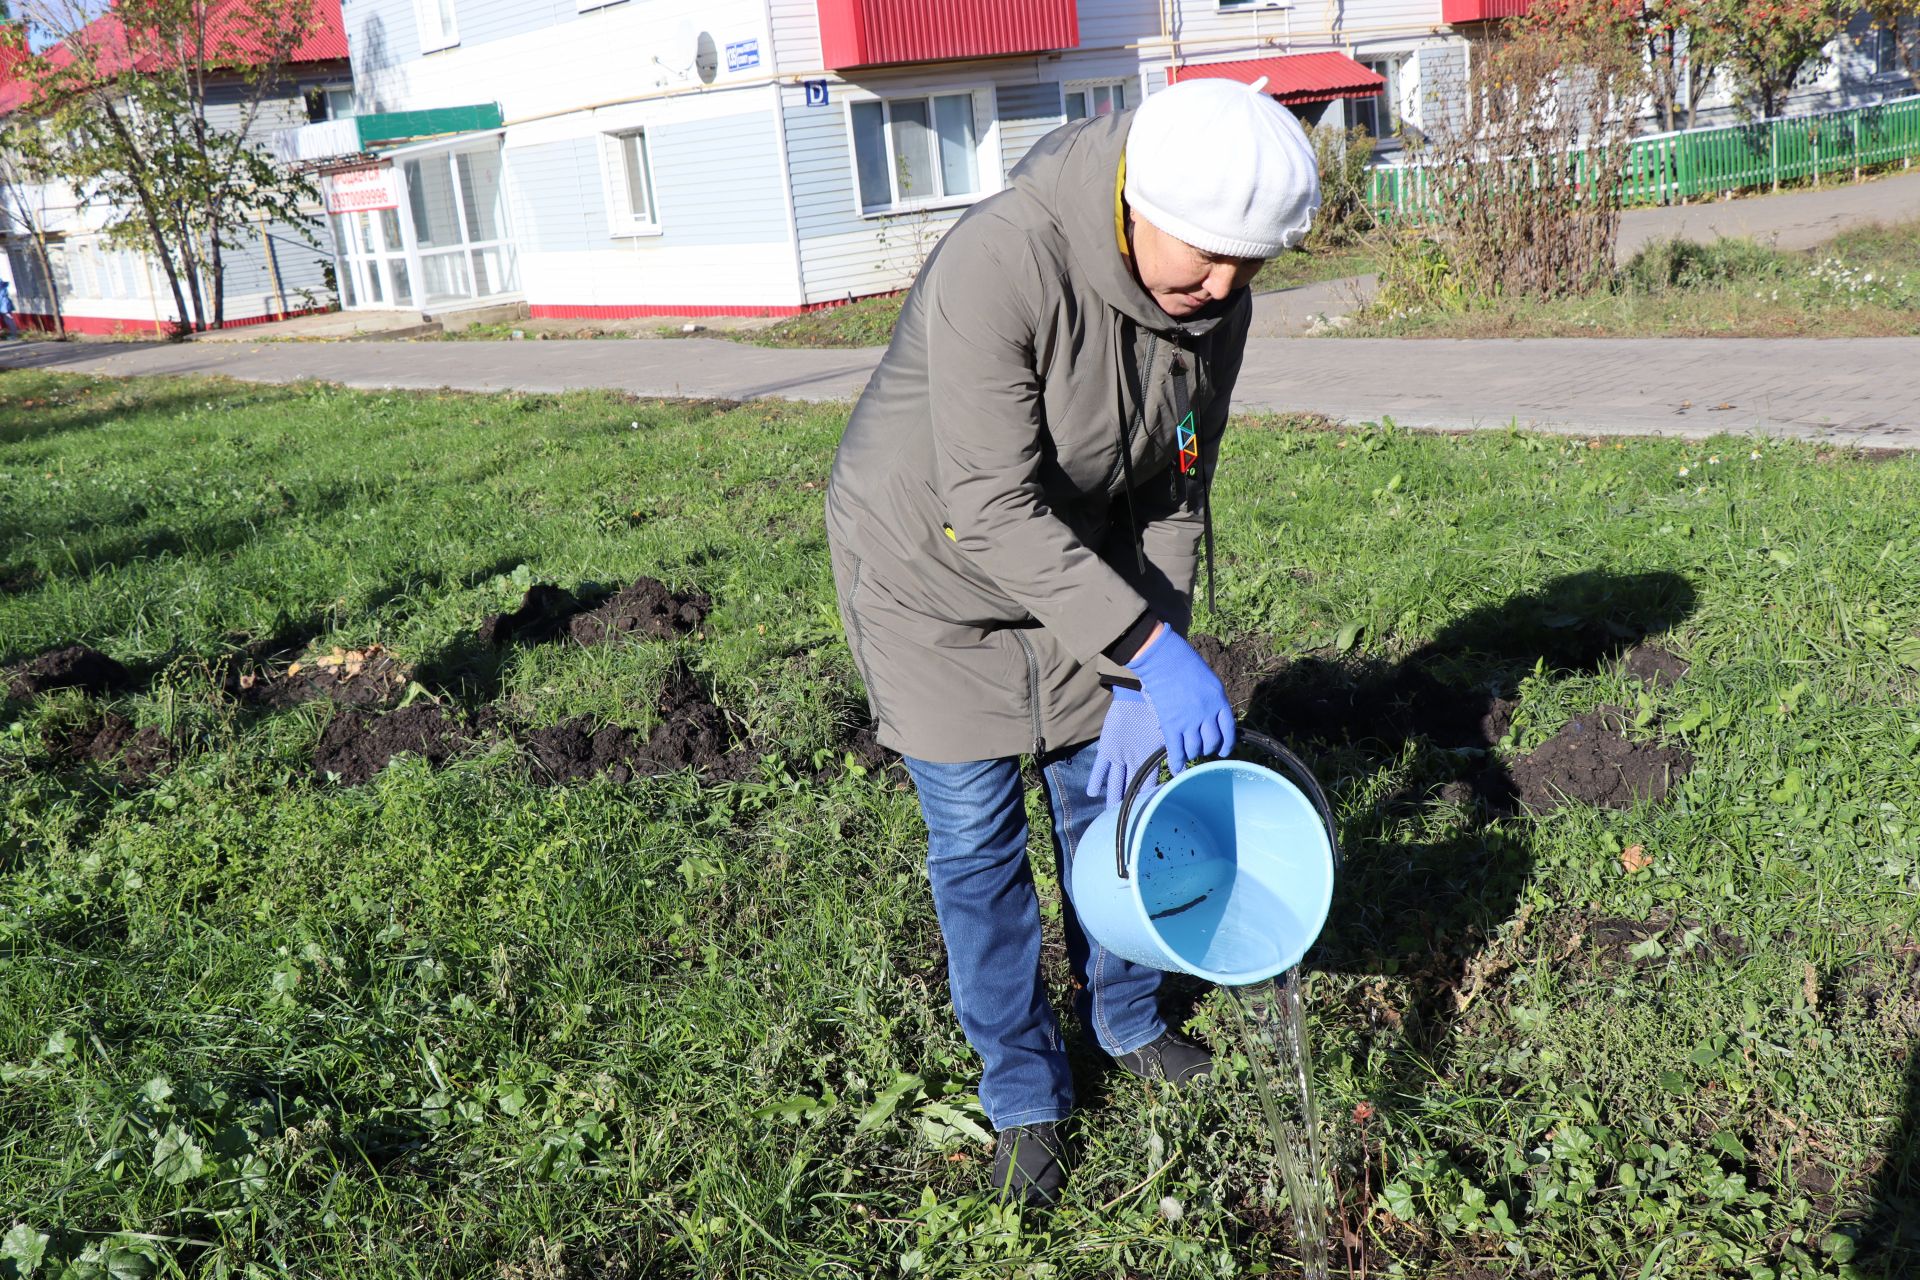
{"points": [[706, 57]]}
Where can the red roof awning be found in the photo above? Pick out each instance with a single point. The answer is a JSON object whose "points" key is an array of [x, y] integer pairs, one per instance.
{"points": [[1298, 77], [873, 33]]}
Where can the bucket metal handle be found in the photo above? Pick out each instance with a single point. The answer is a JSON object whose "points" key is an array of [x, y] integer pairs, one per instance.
{"points": [[1290, 765]]}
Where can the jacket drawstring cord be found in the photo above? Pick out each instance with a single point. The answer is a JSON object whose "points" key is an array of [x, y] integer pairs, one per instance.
{"points": [[1126, 446]]}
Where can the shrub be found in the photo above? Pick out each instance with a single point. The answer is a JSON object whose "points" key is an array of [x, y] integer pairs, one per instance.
{"points": [[1344, 157]]}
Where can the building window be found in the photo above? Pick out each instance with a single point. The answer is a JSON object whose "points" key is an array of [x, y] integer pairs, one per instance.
{"points": [[1886, 50], [1085, 100], [1380, 114], [438, 28], [915, 151], [631, 210], [334, 102]]}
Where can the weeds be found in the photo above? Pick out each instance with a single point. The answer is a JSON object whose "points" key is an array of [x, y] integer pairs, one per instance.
{"points": [[459, 1023]]}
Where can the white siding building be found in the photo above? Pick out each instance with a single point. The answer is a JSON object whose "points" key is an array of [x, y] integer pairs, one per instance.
{"points": [[626, 158]]}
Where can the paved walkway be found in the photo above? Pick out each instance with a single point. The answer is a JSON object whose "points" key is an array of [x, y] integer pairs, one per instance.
{"points": [[1858, 390]]}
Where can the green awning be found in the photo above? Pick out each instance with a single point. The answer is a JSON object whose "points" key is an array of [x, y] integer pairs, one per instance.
{"points": [[393, 128]]}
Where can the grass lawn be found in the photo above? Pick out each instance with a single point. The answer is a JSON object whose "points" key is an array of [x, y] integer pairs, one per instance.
{"points": [[1864, 284], [459, 1022]]}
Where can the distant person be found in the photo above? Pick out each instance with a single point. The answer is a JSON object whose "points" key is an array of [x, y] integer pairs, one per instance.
{"points": [[6, 309], [1016, 516]]}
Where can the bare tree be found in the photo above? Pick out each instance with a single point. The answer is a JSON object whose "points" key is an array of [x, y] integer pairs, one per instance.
{"points": [[1522, 180]]}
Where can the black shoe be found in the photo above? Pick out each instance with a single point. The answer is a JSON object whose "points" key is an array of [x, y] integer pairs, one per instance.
{"points": [[1170, 1058], [1030, 1163]]}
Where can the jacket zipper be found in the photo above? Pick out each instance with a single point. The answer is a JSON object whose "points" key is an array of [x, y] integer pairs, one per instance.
{"points": [[1033, 691]]}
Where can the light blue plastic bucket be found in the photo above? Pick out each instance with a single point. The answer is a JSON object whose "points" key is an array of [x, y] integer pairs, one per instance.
{"points": [[1226, 872]]}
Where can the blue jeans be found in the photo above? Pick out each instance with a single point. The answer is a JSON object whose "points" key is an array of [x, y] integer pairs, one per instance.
{"points": [[983, 893]]}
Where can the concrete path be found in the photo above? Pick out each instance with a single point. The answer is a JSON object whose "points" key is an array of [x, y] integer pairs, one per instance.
{"points": [[1860, 391], [1790, 220]]}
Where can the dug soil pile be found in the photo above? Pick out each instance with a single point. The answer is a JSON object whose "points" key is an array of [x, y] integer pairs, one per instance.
{"points": [[140, 752], [647, 608], [1655, 667], [73, 667], [1593, 762], [357, 745], [543, 615], [369, 677], [693, 733]]}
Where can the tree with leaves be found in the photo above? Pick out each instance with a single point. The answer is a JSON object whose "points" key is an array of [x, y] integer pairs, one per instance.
{"points": [[1767, 43], [1901, 20], [131, 95], [1676, 40]]}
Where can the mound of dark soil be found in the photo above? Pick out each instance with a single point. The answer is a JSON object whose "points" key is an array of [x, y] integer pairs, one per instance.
{"points": [[1592, 762], [369, 677], [1241, 664], [1611, 939], [693, 733], [73, 667], [141, 753], [543, 615], [358, 745], [1656, 667], [646, 608]]}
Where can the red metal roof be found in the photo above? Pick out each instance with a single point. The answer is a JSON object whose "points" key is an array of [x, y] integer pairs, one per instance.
{"points": [[1458, 11], [228, 43], [1298, 77], [871, 33]]}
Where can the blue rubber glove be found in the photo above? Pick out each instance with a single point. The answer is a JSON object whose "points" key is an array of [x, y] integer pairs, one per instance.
{"points": [[1186, 695], [1129, 735]]}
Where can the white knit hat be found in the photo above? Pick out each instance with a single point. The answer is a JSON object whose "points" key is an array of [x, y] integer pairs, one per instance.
{"points": [[1223, 167]]}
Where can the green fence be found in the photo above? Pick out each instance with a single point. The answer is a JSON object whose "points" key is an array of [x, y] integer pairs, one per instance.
{"points": [[1668, 167]]}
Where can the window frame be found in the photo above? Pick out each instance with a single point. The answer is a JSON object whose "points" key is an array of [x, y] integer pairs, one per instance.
{"points": [[1129, 84], [1386, 103], [985, 150], [433, 37], [616, 180]]}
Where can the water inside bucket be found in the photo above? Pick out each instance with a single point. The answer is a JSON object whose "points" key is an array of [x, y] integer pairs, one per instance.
{"points": [[1214, 854]]}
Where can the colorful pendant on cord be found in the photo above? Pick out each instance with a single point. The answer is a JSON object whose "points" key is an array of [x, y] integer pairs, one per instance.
{"points": [[1189, 445]]}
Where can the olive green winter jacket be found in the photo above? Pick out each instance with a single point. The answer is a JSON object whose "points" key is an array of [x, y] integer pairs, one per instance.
{"points": [[984, 544]]}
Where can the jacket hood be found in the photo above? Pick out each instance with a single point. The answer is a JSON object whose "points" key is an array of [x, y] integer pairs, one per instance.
{"points": [[1074, 174]]}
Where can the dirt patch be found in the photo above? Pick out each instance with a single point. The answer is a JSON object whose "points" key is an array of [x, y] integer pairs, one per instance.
{"points": [[370, 677], [15, 582], [1656, 667], [1592, 762], [358, 745], [74, 666], [646, 608], [141, 753], [693, 733], [1241, 664], [1610, 940], [543, 615]]}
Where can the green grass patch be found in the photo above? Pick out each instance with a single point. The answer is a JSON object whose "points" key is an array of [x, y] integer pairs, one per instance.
{"points": [[457, 1023], [867, 322], [1865, 283]]}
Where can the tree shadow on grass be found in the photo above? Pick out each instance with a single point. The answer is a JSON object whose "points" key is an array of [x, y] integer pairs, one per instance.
{"points": [[33, 420]]}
